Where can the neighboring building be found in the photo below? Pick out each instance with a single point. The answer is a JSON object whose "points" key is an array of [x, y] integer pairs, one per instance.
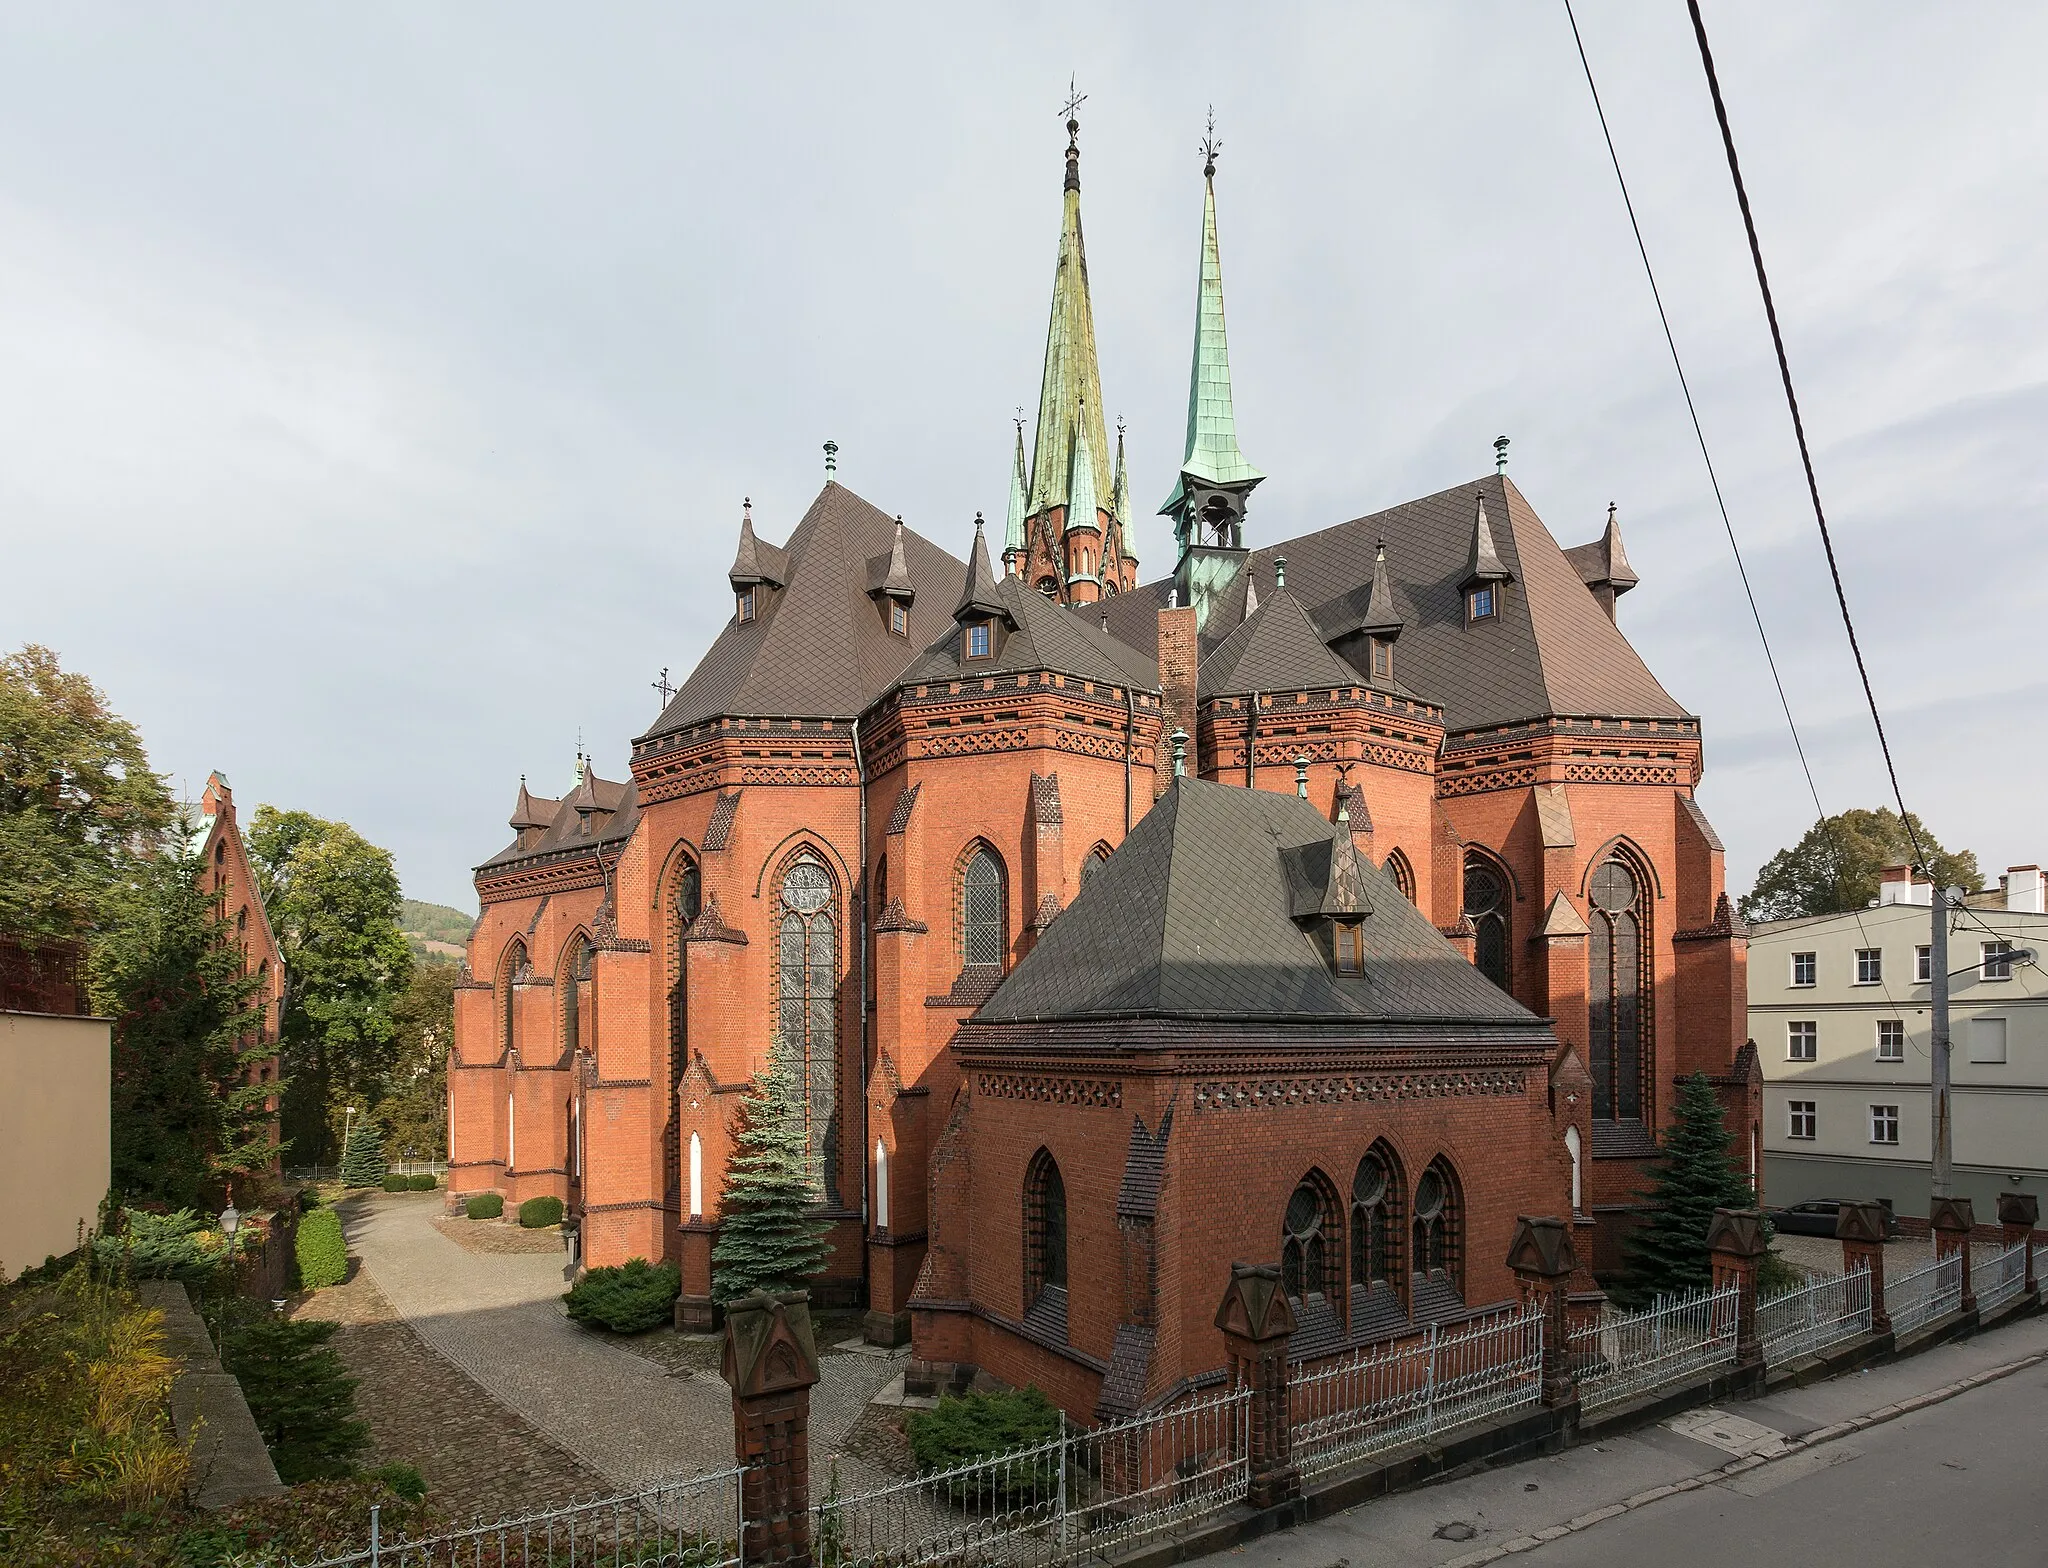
{"points": [[1838, 1007], [227, 873], [56, 1146], [895, 775]]}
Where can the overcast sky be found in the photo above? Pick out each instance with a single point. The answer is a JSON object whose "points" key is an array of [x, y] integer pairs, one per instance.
{"points": [[379, 384]]}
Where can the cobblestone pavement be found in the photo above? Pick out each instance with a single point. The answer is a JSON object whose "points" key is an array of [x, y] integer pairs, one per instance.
{"points": [[479, 1459], [1822, 1254], [497, 1236], [499, 1318]]}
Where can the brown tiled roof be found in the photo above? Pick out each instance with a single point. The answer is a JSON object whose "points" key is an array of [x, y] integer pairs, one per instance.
{"points": [[1046, 636], [1551, 650], [1278, 649], [599, 812], [820, 647]]}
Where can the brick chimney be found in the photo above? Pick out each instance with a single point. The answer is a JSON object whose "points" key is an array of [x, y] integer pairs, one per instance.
{"points": [[1895, 885], [1178, 658]]}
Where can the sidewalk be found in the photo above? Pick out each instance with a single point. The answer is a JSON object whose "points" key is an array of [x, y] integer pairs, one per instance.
{"points": [[1740, 1445]]}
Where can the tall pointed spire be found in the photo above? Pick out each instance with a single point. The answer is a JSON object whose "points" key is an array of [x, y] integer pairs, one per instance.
{"points": [[1070, 393], [1483, 564], [1120, 487], [1214, 477], [1014, 538], [978, 594], [1381, 618]]}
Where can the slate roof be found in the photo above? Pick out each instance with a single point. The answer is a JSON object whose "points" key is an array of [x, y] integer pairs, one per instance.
{"points": [[1191, 918], [1045, 636], [597, 811], [821, 647], [1278, 648], [1551, 650]]}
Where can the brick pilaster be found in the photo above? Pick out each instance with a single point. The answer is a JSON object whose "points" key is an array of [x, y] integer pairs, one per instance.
{"points": [[1257, 1326], [1860, 1228], [1951, 1219], [1735, 1241], [2018, 1214], [770, 1362], [1542, 1257]]}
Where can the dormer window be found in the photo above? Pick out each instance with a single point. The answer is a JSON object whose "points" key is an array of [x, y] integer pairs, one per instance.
{"points": [[745, 602], [899, 619], [980, 640], [1348, 946], [1481, 603], [1382, 659]]}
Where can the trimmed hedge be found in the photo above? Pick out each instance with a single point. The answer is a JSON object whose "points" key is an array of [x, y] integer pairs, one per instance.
{"points": [[484, 1206], [323, 1255], [398, 1184], [422, 1183], [539, 1213], [975, 1426], [628, 1298]]}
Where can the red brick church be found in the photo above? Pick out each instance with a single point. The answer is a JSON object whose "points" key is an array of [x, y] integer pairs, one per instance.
{"points": [[1325, 903]]}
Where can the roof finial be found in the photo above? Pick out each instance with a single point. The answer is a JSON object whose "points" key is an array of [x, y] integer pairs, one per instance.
{"points": [[1301, 777], [1180, 753], [831, 459], [747, 509], [667, 691], [1210, 147], [1500, 454], [1071, 109], [1279, 571], [977, 522]]}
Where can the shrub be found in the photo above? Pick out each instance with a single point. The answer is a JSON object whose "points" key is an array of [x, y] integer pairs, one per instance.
{"points": [[398, 1184], [978, 1425], [179, 1246], [424, 1182], [484, 1206], [313, 1520], [362, 1162], [628, 1298], [403, 1479], [298, 1390], [539, 1213], [323, 1255]]}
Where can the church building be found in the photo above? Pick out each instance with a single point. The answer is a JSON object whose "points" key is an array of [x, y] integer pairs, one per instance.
{"points": [[1326, 902]]}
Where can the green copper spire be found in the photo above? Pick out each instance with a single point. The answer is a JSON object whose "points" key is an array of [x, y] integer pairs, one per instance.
{"points": [[1014, 543], [1120, 487], [1082, 506], [1213, 461], [1070, 395]]}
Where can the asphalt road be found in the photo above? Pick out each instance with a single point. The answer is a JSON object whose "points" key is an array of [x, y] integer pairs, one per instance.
{"points": [[1965, 1481]]}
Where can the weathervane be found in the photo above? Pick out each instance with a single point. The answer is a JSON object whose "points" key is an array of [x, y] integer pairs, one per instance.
{"points": [[1071, 109], [667, 691], [1210, 147]]}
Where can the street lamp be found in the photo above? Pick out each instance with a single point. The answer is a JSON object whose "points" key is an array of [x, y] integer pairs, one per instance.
{"points": [[230, 1220], [345, 1121]]}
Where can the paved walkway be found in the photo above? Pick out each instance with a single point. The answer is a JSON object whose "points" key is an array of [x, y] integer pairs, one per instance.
{"points": [[500, 1319]]}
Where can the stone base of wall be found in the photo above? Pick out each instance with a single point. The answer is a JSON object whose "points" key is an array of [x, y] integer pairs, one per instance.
{"points": [[229, 1462]]}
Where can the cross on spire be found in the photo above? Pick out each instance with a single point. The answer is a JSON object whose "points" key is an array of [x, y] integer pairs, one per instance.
{"points": [[1071, 109], [1210, 147], [667, 691]]}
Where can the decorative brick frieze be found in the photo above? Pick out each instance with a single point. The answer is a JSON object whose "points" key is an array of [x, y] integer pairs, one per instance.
{"points": [[1270, 1093], [1050, 1091]]}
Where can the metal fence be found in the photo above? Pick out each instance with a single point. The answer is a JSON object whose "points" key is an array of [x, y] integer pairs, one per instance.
{"points": [[690, 1523], [1928, 1292], [1081, 1494], [2003, 1278], [1397, 1392], [1623, 1354], [1823, 1312]]}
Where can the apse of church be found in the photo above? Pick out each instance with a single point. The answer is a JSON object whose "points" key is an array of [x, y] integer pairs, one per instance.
{"points": [[885, 821]]}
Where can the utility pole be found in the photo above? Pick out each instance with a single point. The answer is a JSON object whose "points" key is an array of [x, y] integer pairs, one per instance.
{"points": [[1944, 1172]]}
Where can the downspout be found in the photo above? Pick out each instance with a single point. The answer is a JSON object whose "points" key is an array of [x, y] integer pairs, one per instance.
{"points": [[1130, 740], [1251, 744], [867, 1174]]}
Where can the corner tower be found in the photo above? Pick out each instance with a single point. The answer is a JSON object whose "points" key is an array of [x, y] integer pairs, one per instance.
{"points": [[1072, 546], [1208, 500]]}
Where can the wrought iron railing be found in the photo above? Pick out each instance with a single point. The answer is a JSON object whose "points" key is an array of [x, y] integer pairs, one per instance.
{"points": [[1916, 1299], [689, 1523], [1400, 1391], [1811, 1317], [2003, 1278], [1624, 1354], [1080, 1494]]}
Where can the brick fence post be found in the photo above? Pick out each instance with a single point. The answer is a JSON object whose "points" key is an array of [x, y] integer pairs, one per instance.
{"points": [[1257, 1325], [1543, 1260], [1860, 1227], [1736, 1243], [1951, 1220], [2018, 1214], [770, 1361]]}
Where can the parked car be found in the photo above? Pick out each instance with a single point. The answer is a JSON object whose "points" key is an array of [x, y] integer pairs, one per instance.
{"points": [[1816, 1217]]}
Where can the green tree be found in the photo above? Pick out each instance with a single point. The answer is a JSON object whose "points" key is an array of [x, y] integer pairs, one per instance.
{"points": [[362, 1162], [78, 802], [1692, 1177], [298, 1390], [334, 903], [768, 1238], [186, 1114], [1835, 867], [415, 1110]]}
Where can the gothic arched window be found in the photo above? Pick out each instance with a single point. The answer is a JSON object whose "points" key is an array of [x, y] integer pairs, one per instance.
{"points": [[1617, 989], [508, 1001], [981, 910], [1486, 906], [1396, 866], [1093, 861], [684, 908], [1376, 1219], [575, 978], [1307, 1243], [1435, 1257], [1045, 1228], [808, 1006]]}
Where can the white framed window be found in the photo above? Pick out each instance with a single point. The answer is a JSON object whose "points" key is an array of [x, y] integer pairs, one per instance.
{"points": [[979, 642], [1923, 963], [1869, 966], [1805, 969], [1891, 1040], [1987, 1041], [1382, 659], [899, 618], [1479, 604], [1884, 1124], [1801, 1119], [1996, 961], [743, 606], [1802, 1041]]}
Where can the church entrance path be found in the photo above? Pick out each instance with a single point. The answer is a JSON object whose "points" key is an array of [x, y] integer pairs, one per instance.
{"points": [[498, 1317]]}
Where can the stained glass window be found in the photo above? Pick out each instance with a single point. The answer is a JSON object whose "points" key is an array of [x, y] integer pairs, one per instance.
{"points": [[1486, 906], [1045, 1227], [981, 897], [1616, 954], [1436, 1223], [1375, 1198], [808, 1006], [1304, 1258]]}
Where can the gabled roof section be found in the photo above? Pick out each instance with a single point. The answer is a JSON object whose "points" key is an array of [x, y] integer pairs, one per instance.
{"points": [[819, 647], [603, 813], [1043, 636], [1212, 456], [1550, 649], [1193, 917], [1279, 648]]}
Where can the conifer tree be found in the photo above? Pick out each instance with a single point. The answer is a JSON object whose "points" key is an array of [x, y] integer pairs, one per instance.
{"points": [[362, 1162], [1693, 1176], [768, 1239]]}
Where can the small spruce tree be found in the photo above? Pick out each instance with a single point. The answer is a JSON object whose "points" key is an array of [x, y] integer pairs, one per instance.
{"points": [[1693, 1176], [768, 1239], [362, 1162]]}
